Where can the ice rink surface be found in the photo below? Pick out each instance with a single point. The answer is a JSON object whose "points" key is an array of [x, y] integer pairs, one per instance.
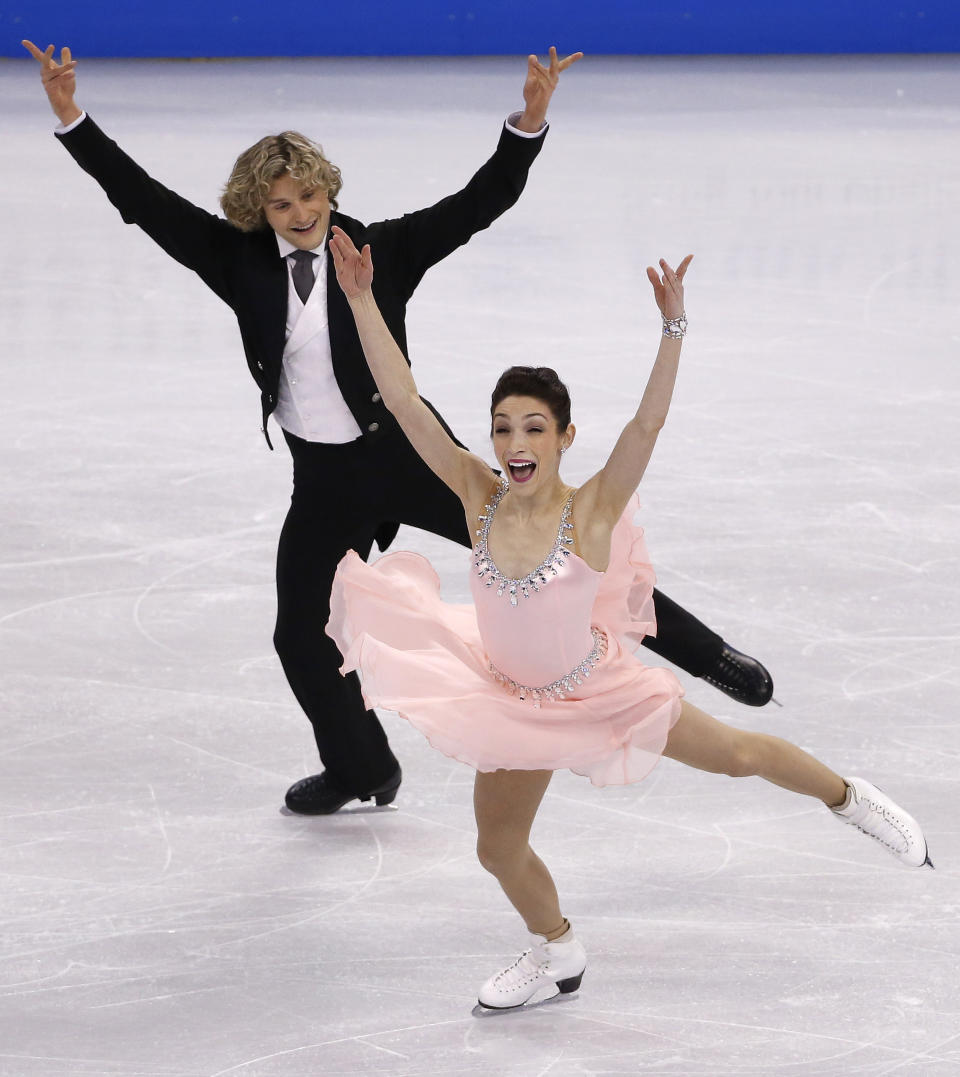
{"points": [[161, 916]]}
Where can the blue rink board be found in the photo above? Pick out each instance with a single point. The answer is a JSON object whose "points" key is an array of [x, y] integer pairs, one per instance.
{"points": [[178, 28]]}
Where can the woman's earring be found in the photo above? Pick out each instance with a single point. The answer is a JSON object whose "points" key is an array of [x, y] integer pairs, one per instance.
{"points": [[563, 449]]}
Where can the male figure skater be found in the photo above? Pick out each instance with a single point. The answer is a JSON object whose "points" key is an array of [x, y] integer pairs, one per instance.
{"points": [[269, 261]]}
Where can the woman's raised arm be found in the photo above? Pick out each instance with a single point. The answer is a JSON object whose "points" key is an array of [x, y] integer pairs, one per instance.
{"points": [[466, 474], [621, 475]]}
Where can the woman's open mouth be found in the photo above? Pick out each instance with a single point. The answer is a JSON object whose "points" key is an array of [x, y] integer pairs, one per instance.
{"points": [[521, 470]]}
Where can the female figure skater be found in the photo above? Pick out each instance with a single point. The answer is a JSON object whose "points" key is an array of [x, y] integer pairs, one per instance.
{"points": [[537, 675]]}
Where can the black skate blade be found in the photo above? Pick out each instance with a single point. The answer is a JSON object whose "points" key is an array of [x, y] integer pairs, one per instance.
{"points": [[357, 809]]}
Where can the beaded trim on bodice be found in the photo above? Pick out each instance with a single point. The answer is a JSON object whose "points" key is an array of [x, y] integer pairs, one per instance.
{"points": [[542, 574], [562, 686]]}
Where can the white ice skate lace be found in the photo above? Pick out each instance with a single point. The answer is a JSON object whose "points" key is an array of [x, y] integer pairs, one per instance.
{"points": [[525, 970], [889, 827]]}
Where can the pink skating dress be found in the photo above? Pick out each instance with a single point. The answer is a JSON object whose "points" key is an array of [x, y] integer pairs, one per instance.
{"points": [[538, 674]]}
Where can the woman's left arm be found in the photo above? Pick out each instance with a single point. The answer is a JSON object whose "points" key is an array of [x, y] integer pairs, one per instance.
{"points": [[621, 475]]}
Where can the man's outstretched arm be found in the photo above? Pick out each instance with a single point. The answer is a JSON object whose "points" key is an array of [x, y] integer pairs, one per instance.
{"points": [[416, 241], [539, 86], [59, 80], [187, 233]]}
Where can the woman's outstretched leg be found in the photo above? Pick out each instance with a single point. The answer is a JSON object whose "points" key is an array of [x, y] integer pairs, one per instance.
{"points": [[505, 803], [701, 741], [705, 743]]}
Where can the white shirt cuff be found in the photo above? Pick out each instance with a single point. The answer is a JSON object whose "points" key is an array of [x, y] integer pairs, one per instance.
{"points": [[63, 130], [514, 117]]}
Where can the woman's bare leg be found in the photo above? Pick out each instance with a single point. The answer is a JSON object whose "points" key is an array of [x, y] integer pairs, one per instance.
{"points": [[701, 741], [505, 803]]}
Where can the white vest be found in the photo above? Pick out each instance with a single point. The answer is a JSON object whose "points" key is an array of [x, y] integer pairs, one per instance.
{"points": [[309, 402]]}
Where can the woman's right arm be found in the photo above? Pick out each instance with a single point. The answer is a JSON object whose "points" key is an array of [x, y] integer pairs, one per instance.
{"points": [[465, 473]]}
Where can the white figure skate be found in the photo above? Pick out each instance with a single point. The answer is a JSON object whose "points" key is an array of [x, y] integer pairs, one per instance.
{"points": [[545, 970], [871, 811]]}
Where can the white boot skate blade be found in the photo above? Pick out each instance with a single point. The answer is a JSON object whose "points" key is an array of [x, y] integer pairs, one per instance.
{"points": [[480, 1010]]}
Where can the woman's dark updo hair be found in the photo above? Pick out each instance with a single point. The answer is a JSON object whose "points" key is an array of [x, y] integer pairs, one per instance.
{"points": [[540, 382]]}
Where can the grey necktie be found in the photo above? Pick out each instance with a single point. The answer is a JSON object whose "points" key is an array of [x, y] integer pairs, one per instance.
{"points": [[303, 277]]}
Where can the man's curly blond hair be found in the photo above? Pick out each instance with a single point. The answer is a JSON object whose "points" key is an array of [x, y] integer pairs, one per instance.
{"points": [[256, 168]]}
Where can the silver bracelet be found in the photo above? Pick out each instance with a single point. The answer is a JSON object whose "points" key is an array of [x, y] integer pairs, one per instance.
{"points": [[675, 328]]}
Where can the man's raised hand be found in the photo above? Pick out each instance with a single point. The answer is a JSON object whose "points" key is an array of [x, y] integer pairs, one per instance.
{"points": [[58, 79], [354, 268], [539, 86]]}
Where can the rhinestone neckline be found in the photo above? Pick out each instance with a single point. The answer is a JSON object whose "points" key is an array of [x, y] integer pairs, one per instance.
{"points": [[542, 574]]}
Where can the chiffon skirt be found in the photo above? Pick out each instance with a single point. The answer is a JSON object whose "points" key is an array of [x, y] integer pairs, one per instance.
{"points": [[423, 658]]}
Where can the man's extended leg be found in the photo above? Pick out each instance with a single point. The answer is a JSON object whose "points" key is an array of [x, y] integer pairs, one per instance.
{"points": [[689, 644]]}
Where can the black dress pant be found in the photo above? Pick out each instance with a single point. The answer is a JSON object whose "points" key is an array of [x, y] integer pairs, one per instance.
{"points": [[342, 496]]}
